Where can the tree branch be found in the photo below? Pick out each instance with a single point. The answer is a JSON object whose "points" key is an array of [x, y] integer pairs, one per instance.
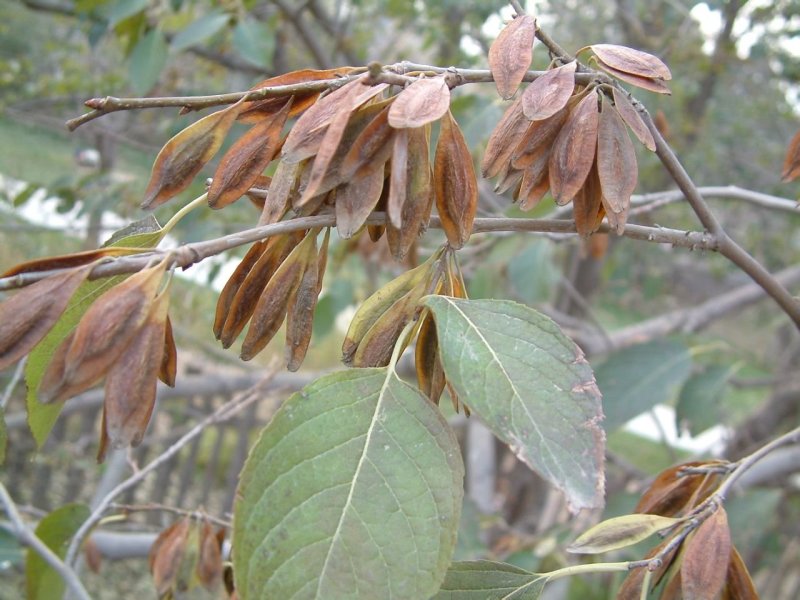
{"points": [[30, 539]]}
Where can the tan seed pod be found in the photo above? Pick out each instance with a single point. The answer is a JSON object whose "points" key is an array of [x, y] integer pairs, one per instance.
{"points": [[430, 373], [504, 139], [706, 558], [632, 61], [279, 194], [356, 200], [574, 150], [421, 103], [511, 53], [549, 93], [738, 583], [273, 303], [166, 556], [587, 204], [791, 162], [615, 164], [398, 185], [455, 185], [209, 563], [633, 119], [234, 283], [300, 312], [169, 361], [651, 85], [371, 148], [538, 139], [28, 315], [246, 160]]}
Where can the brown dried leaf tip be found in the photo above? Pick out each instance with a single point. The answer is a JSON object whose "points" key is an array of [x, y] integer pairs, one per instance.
{"points": [[187, 554]]}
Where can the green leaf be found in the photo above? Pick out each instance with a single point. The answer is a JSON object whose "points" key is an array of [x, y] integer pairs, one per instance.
{"points": [[619, 532], [55, 530], [201, 29], [514, 368], [698, 405], [488, 580], [25, 195], [116, 12], [254, 42], [635, 379], [353, 490], [42, 417], [147, 60]]}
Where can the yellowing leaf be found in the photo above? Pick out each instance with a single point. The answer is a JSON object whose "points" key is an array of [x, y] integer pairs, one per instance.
{"points": [[422, 102], [549, 93], [619, 532], [630, 60], [511, 53], [182, 158]]}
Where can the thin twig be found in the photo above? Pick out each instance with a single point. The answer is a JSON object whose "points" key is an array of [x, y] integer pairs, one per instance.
{"points": [[155, 507], [30, 539], [223, 413]]}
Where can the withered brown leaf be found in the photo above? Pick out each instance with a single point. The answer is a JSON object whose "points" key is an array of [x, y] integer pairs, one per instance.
{"points": [[633, 119], [673, 492], [424, 101], [233, 284], [269, 312], [300, 313], [455, 184], [102, 335], [504, 139], [251, 289], [371, 149], [256, 110], [511, 53], [130, 390], [246, 160], [646, 83], [791, 163], [616, 165], [549, 93], [706, 558], [182, 157], [29, 314], [630, 60], [356, 200], [573, 151]]}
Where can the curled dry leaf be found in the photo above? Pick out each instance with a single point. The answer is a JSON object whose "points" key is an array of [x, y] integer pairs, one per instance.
{"points": [[791, 163], [269, 312], [182, 158], [356, 200], [574, 150], [633, 119], [102, 335], [619, 532], [255, 111], [455, 184], [130, 390], [421, 103], [616, 165], [630, 60], [504, 139], [28, 315], [300, 314], [511, 53], [651, 85], [706, 558], [246, 160], [672, 493], [549, 93]]}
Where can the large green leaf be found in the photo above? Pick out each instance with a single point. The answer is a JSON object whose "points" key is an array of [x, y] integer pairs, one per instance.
{"points": [[147, 60], [514, 368], [698, 405], [42, 417], [635, 379], [201, 29], [55, 530], [353, 490], [488, 580]]}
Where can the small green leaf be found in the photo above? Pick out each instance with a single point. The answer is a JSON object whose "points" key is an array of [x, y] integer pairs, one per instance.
{"points": [[55, 530], [24, 195], [619, 532], [201, 29], [353, 490], [698, 405], [147, 61], [635, 379], [253, 42], [488, 580], [516, 370], [118, 11], [42, 417]]}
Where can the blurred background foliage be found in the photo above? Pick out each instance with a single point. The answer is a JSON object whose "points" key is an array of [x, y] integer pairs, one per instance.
{"points": [[733, 108]]}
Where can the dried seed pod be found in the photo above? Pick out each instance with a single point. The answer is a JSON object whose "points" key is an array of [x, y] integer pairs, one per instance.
{"points": [[234, 283], [271, 308], [377, 304], [615, 165], [706, 558], [673, 492], [250, 291], [652, 85], [549, 93], [504, 139], [356, 200], [430, 372], [182, 158], [169, 361], [278, 199], [166, 556], [67, 261], [376, 231], [102, 335], [421, 103], [511, 53], [454, 183], [632, 61], [574, 150], [28, 315], [209, 562], [371, 149], [791, 162], [587, 204], [738, 583], [537, 141], [246, 160], [399, 179], [633, 119], [130, 391], [300, 314]]}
